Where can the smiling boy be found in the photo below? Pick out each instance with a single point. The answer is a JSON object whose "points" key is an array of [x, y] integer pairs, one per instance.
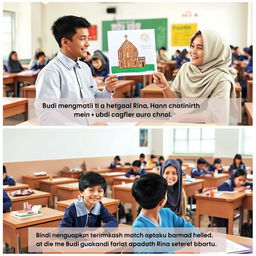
{"points": [[66, 76]]}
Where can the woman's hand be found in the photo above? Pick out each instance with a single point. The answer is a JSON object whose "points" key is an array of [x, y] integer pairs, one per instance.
{"points": [[160, 80]]}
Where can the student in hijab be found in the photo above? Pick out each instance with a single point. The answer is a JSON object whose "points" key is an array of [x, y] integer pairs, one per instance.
{"points": [[100, 65], [176, 197], [207, 75], [13, 64]]}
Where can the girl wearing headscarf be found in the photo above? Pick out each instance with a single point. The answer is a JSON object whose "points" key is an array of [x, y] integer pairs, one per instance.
{"points": [[176, 197], [208, 74], [100, 65], [13, 64], [236, 182]]}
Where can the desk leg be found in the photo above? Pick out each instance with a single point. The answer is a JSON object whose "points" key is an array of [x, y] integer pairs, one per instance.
{"points": [[197, 220], [17, 247], [241, 219], [16, 86], [230, 224]]}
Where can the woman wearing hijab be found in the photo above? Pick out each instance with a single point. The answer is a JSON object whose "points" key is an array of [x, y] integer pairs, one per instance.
{"points": [[176, 197], [13, 64], [208, 74]]}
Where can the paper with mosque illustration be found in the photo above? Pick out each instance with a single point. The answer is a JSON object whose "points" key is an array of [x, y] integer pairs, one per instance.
{"points": [[132, 52]]}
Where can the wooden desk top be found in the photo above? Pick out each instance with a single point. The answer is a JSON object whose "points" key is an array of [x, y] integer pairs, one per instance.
{"points": [[240, 239], [11, 102], [56, 181], [123, 178], [63, 171], [48, 215], [29, 88], [69, 186], [126, 186], [215, 177], [16, 187], [100, 170], [38, 177], [106, 201], [152, 87], [110, 174], [227, 197], [248, 107], [187, 183], [37, 194]]}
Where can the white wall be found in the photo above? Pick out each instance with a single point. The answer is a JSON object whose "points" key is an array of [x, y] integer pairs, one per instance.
{"points": [[46, 144], [230, 19], [157, 141]]}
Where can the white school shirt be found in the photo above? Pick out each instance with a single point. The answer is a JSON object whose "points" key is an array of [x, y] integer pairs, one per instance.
{"points": [[64, 78]]}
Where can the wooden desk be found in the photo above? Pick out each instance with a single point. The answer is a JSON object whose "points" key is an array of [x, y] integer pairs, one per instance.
{"points": [[192, 187], [122, 179], [124, 194], [240, 239], [34, 180], [48, 185], [99, 170], [247, 205], [249, 110], [67, 191], [238, 90], [29, 91], [126, 168], [222, 206], [124, 86], [249, 91], [109, 203], [152, 91], [15, 231], [18, 186], [39, 198], [71, 174], [213, 181], [9, 78], [109, 176], [15, 106]]}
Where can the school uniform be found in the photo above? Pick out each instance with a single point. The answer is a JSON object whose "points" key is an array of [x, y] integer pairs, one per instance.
{"points": [[167, 219], [77, 215], [212, 169], [198, 173], [8, 180], [240, 166], [64, 78], [7, 202], [141, 172], [249, 67], [229, 185], [14, 66], [113, 165], [38, 65]]}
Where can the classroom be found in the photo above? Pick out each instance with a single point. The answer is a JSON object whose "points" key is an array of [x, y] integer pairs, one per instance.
{"points": [[27, 32], [46, 169]]}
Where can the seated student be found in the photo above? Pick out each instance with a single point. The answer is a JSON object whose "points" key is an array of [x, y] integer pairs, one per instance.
{"points": [[7, 202], [200, 170], [153, 162], [176, 196], [87, 59], [115, 163], [216, 166], [249, 68], [236, 182], [7, 179], [41, 61], [136, 171], [176, 55], [34, 60], [150, 193], [88, 211], [100, 66], [183, 58], [181, 162], [161, 56], [160, 161], [237, 164], [142, 159], [13, 64]]}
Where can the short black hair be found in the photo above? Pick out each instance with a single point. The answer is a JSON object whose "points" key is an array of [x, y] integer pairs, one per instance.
{"points": [[161, 158], [153, 156], [149, 190], [180, 162], [39, 54], [117, 158], [66, 27], [136, 163], [217, 161], [92, 179], [240, 172], [201, 161], [142, 155], [4, 169]]}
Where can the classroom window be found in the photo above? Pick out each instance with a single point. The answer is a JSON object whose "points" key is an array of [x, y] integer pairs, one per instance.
{"points": [[8, 33], [194, 140], [246, 141]]}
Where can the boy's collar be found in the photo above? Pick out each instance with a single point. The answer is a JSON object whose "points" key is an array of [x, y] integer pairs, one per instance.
{"points": [[81, 209], [143, 215], [66, 61]]}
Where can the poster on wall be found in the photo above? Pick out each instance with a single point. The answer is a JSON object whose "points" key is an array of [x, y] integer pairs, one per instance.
{"points": [[143, 137], [93, 32], [181, 33], [132, 52]]}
